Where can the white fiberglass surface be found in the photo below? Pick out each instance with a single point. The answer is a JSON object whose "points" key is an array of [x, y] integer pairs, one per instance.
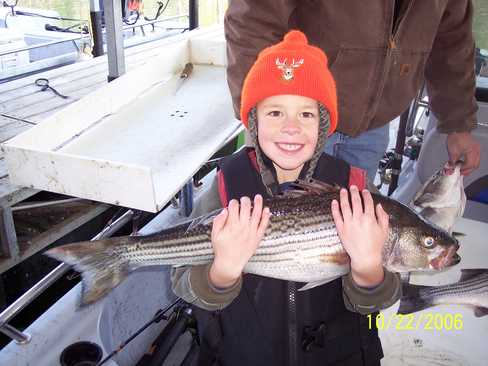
{"points": [[154, 129]]}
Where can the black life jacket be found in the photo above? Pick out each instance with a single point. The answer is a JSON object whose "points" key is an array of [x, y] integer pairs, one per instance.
{"points": [[270, 322]]}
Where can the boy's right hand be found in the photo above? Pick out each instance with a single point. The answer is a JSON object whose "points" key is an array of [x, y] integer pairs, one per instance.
{"points": [[236, 234]]}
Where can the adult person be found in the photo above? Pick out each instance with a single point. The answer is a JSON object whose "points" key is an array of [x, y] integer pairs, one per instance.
{"points": [[380, 52]]}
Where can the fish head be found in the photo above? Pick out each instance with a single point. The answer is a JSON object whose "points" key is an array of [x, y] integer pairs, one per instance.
{"points": [[442, 199], [418, 245], [444, 189]]}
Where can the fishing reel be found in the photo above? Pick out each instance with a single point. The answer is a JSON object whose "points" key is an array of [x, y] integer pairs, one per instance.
{"points": [[385, 167], [414, 144]]}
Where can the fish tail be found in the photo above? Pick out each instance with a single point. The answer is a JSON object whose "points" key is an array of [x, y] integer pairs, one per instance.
{"points": [[102, 268], [412, 300]]}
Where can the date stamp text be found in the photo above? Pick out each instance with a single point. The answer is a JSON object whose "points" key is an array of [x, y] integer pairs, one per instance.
{"points": [[426, 321]]}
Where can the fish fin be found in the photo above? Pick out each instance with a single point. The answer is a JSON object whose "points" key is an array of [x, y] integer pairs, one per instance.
{"points": [[315, 186], [480, 311], [102, 268], [411, 301], [467, 273], [202, 220], [292, 193], [310, 285], [458, 234]]}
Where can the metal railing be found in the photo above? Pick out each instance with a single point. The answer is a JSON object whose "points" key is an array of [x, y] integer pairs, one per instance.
{"points": [[152, 22], [88, 36], [46, 44], [48, 280]]}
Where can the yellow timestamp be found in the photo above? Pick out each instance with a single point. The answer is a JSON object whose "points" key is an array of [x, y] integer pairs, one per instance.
{"points": [[426, 321]]}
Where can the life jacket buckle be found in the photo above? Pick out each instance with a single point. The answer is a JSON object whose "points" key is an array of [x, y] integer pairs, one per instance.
{"points": [[313, 337]]}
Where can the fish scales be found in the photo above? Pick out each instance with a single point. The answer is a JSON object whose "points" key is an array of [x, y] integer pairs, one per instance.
{"points": [[305, 228], [471, 290], [300, 244], [476, 284]]}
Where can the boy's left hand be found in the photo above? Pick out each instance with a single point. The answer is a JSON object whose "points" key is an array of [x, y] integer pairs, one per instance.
{"points": [[363, 235]]}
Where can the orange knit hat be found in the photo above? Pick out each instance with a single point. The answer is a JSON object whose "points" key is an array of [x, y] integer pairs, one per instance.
{"points": [[290, 67]]}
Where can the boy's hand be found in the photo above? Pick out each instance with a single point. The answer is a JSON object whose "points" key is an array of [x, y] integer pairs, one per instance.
{"points": [[236, 234], [363, 235]]}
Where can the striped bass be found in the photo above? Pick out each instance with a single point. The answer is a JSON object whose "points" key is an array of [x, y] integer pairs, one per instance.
{"points": [[442, 199], [300, 244], [471, 290]]}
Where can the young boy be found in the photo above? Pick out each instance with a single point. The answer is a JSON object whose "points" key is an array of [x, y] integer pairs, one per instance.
{"points": [[289, 105]]}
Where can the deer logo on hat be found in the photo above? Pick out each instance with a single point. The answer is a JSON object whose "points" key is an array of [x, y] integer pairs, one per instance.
{"points": [[287, 70]]}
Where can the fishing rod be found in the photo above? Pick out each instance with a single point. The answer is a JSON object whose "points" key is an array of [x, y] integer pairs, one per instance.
{"points": [[390, 166], [160, 315], [180, 321], [396, 164]]}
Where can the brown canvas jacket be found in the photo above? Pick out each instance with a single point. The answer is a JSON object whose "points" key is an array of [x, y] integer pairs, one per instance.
{"points": [[379, 66]]}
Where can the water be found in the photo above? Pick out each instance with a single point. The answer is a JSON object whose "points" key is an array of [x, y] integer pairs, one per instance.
{"points": [[480, 23], [211, 11]]}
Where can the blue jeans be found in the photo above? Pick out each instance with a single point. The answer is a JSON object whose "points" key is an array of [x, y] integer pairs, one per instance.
{"points": [[363, 151]]}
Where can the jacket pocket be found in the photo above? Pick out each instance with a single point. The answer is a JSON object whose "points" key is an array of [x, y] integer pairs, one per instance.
{"points": [[404, 79]]}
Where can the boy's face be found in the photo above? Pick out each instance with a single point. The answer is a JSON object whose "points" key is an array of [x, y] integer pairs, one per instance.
{"points": [[288, 127]]}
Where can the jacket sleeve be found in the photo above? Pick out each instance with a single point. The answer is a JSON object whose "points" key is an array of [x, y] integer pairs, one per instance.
{"points": [[449, 72], [368, 300], [191, 283], [250, 26]]}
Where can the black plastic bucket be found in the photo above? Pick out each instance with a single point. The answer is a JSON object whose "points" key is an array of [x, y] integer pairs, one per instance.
{"points": [[81, 354]]}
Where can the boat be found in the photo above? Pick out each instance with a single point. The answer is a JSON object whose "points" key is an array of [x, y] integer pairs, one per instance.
{"points": [[66, 331], [34, 40]]}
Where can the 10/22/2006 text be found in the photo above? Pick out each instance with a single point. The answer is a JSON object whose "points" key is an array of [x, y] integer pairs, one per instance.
{"points": [[426, 321]]}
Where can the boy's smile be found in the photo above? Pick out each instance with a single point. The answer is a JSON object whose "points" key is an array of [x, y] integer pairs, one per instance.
{"points": [[288, 132]]}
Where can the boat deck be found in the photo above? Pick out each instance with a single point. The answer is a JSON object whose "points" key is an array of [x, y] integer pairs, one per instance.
{"points": [[22, 105]]}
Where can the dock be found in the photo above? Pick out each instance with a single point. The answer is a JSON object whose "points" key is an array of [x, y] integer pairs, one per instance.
{"points": [[23, 104]]}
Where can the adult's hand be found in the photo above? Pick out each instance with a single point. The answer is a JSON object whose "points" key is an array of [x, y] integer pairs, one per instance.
{"points": [[463, 144]]}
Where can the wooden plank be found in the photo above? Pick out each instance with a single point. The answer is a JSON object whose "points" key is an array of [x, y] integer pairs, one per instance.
{"points": [[56, 232], [75, 87], [142, 51], [71, 75], [145, 50], [10, 127], [22, 99], [43, 102], [35, 102]]}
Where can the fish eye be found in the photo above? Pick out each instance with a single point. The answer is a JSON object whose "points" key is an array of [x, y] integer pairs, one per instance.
{"points": [[429, 242]]}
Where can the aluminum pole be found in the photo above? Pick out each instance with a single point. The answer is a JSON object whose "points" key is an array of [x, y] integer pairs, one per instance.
{"points": [[115, 39], [96, 21]]}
